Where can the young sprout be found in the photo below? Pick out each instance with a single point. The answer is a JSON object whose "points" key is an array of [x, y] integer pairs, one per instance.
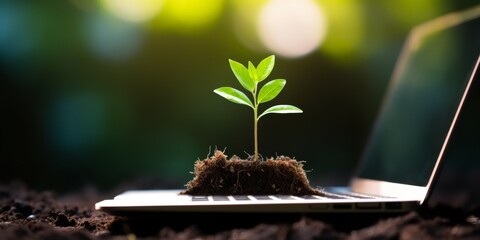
{"points": [[249, 78]]}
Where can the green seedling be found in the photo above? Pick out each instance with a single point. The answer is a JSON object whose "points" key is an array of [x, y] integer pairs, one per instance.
{"points": [[249, 78]]}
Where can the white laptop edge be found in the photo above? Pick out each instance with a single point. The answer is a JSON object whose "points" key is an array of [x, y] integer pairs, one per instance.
{"points": [[170, 201]]}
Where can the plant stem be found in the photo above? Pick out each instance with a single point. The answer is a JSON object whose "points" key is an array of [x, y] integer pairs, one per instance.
{"points": [[255, 123], [255, 134]]}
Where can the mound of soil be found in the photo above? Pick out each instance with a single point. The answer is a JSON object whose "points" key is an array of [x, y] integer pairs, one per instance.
{"points": [[218, 176]]}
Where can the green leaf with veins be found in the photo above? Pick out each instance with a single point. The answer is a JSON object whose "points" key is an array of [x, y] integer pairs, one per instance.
{"points": [[265, 67], [252, 71], [243, 75], [270, 90], [283, 109], [234, 95]]}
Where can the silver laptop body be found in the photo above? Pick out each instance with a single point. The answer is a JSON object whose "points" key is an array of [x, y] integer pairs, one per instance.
{"points": [[429, 85]]}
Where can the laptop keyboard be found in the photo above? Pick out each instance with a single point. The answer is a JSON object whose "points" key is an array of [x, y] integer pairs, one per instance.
{"points": [[327, 195]]}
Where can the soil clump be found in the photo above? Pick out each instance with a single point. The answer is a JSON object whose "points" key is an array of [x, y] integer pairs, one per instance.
{"points": [[218, 176]]}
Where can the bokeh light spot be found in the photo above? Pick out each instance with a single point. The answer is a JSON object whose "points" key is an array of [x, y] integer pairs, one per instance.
{"points": [[346, 28], [16, 38], [134, 11], [292, 28], [111, 39], [245, 21], [189, 15]]}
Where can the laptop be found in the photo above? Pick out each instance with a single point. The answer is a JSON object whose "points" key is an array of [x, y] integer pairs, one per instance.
{"points": [[430, 83]]}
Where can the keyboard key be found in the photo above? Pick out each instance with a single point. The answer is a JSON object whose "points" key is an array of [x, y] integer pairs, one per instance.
{"points": [[356, 195], [261, 197], [220, 198], [308, 197], [199, 198], [335, 196], [240, 197], [284, 197]]}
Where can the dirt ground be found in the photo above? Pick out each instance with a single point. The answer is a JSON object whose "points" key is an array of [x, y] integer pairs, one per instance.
{"points": [[29, 214]]}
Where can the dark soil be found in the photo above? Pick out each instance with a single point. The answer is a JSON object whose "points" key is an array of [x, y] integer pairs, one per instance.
{"points": [[29, 214], [218, 176]]}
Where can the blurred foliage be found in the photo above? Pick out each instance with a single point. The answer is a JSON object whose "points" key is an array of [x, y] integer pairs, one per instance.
{"points": [[104, 91]]}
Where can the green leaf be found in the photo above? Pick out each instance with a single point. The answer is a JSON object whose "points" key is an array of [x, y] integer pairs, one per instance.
{"points": [[270, 90], [252, 71], [265, 67], [233, 95], [242, 74], [281, 109]]}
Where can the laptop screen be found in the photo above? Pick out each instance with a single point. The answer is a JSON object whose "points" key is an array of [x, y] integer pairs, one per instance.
{"points": [[426, 89]]}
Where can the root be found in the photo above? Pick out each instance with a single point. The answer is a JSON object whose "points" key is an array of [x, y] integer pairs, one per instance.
{"points": [[238, 182], [209, 151]]}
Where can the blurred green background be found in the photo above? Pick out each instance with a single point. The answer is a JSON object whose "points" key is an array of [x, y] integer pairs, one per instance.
{"points": [[99, 92]]}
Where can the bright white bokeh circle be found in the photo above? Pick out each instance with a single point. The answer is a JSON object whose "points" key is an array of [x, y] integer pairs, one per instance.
{"points": [[292, 28], [134, 11]]}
